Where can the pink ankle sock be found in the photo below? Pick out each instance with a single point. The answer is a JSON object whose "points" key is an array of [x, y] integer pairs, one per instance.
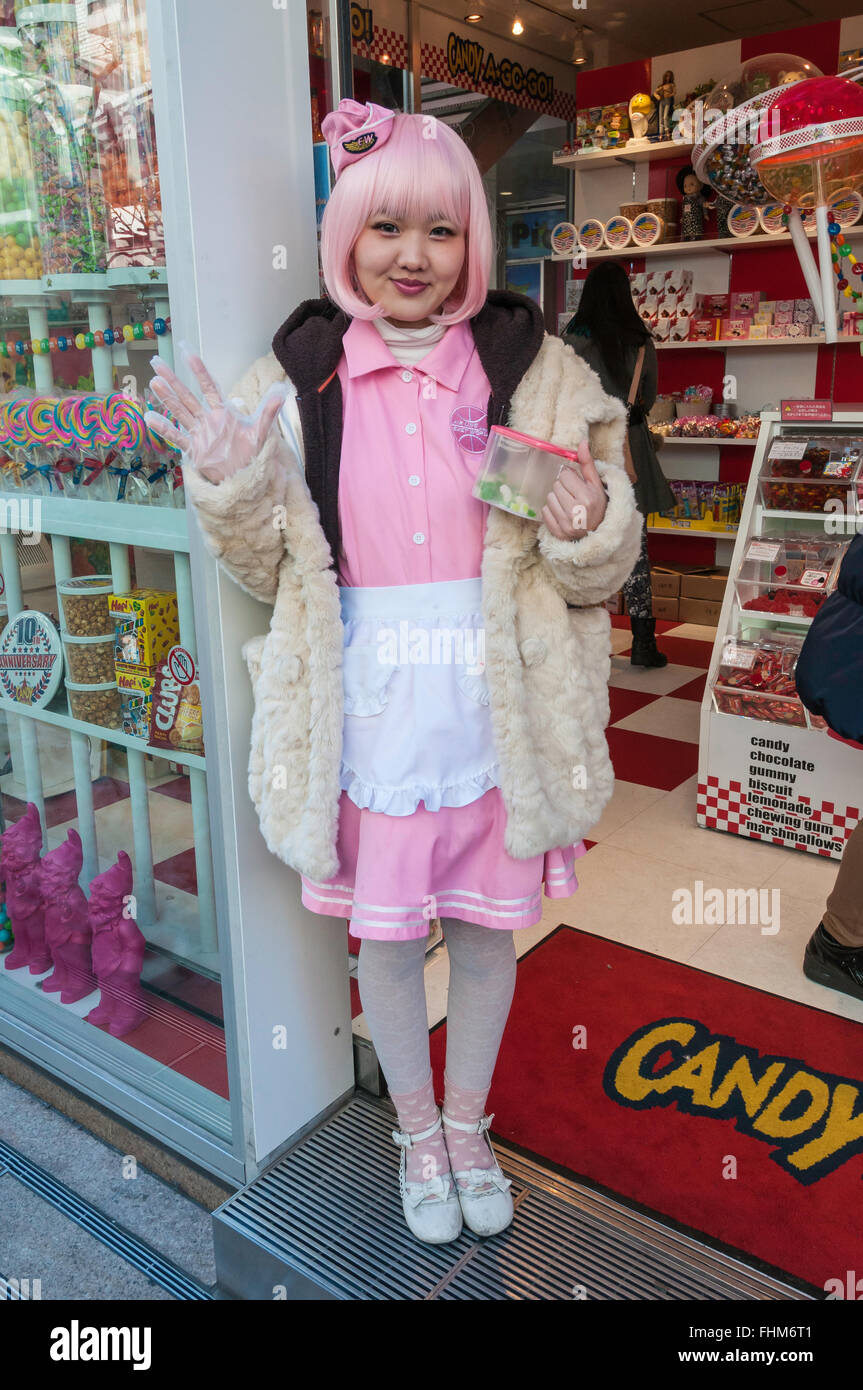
{"points": [[417, 1110], [465, 1150]]}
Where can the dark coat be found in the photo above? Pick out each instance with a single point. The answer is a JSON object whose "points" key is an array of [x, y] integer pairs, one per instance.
{"points": [[829, 670], [652, 492], [508, 332]]}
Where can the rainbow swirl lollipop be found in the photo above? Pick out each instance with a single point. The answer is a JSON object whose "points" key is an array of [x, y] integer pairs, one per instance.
{"points": [[16, 419], [125, 421], [63, 424], [40, 418], [92, 421]]}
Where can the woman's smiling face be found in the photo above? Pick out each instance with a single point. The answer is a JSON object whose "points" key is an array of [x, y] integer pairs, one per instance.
{"points": [[409, 267]]}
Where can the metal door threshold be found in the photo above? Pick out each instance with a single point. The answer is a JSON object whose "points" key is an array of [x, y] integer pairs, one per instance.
{"points": [[326, 1222]]}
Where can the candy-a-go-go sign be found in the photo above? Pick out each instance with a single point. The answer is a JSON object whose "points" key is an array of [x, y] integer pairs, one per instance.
{"points": [[798, 788]]}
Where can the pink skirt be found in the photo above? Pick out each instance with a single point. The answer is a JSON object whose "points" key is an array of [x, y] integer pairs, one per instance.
{"points": [[398, 872]]}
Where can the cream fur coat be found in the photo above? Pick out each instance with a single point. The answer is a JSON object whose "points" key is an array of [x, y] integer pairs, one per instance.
{"points": [[547, 665]]}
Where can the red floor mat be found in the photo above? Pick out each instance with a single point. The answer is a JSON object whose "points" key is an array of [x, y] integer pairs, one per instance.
{"points": [[779, 1183]]}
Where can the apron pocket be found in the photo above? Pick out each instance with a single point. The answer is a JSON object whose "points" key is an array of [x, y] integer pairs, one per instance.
{"points": [[365, 679], [474, 686]]}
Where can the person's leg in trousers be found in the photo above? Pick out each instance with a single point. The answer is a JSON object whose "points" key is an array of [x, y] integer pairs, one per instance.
{"points": [[834, 952], [639, 605]]}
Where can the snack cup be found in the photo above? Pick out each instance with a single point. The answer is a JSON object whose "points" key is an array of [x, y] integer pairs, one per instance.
{"points": [[95, 704], [519, 471], [89, 660], [84, 604]]}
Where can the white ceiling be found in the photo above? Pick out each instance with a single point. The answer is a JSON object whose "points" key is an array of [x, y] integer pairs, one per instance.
{"points": [[618, 33]]}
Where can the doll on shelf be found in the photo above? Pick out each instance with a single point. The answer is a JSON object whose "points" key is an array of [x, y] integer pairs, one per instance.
{"points": [[664, 96], [694, 203]]}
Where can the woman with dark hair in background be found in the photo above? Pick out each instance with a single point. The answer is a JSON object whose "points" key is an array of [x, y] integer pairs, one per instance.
{"points": [[607, 332]]}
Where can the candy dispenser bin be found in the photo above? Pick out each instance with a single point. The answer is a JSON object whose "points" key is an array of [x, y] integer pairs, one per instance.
{"points": [[804, 475], [125, 138], [61, 99], [790, 575], [20, 254]]}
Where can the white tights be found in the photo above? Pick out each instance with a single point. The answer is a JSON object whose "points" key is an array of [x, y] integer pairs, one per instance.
{"points": [[481, 987]]}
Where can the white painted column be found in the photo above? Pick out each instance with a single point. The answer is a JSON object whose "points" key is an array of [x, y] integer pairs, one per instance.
{"points": [[233, 128]]}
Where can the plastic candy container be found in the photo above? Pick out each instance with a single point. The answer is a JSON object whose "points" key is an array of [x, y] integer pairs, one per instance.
{"points": [[95, 704], [789, 575], [804, 475], [519, 471], [756, 680], [84, 604]]}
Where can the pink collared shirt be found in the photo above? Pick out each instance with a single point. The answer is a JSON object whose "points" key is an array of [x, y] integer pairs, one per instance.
{"points": [[412, 445]]}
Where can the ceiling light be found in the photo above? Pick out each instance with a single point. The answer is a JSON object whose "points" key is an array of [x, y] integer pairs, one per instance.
{"points": [[505, 193], [472, 18], [517, 26], [579, 51]]}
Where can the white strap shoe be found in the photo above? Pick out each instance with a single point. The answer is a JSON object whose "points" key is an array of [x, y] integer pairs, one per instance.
{"points": [[432, 1208], [483, 1193]]}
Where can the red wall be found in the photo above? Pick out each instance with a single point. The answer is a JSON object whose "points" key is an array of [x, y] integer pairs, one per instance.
{"points": [[817, 42]]}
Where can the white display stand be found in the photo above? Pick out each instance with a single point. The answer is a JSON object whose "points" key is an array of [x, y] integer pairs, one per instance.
{"points": [[800, 788]]}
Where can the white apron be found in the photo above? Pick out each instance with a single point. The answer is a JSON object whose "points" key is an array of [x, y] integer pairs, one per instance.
{"points": [[417, 723]]}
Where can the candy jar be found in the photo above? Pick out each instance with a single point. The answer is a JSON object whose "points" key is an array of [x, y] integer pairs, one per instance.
{"points": [[70, 203], [20, 256], [125, 137]]}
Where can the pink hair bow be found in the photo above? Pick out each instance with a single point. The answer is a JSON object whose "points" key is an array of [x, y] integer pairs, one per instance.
{"points": [[354, 130]]}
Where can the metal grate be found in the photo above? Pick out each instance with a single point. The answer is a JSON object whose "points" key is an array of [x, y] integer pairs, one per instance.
{"points": [[138, 1253], [326, 1220]]}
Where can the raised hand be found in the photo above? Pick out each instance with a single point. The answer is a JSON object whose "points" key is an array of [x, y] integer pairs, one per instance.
{"points": [[215, 438], [577, 502]]}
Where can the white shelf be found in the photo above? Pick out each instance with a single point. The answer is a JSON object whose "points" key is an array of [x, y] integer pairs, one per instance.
{"points": [[725, 245], [748, 615], [690, 531], [161, 528], [718, 442], [720, 344], [115, 736], [602, 159]]}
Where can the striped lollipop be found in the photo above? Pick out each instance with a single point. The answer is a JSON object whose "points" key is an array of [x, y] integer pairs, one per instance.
{"points": [[40, 418], [63, 425], [125, 421], [16, 421]]}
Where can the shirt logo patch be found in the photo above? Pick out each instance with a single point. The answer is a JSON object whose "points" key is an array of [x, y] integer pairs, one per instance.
{"points": [[468, 425]]}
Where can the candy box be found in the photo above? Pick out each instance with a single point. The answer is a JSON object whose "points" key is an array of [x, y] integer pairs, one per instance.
{"points": [[176, 721], [717, 305], [762, 315], [734, 328], [783, 314], [657, 280], [777, 330], [691, 303], [680, 328], [679, 281], [797, 330], [785, 306], [804, 311], [662, 330], [136, 685], [702, 330], [667, 307], [744, 303], [758, 330], [146, 625]]}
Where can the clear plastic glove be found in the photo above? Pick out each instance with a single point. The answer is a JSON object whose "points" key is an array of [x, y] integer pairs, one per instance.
{"points": [[216, 439]]}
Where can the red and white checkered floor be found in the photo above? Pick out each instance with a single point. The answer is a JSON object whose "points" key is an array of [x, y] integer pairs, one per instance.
{"points": [[647, 845]]}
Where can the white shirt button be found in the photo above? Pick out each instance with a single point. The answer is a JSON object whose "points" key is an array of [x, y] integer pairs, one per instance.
{"points": [[418, 537], [411, 428], [414, 480], [407, 376]]}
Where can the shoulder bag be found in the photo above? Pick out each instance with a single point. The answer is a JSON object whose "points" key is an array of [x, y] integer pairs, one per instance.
{"points": [[630, 401]]}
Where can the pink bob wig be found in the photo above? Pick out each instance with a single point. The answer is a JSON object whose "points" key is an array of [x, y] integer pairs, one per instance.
{"points": [[424, 170]]}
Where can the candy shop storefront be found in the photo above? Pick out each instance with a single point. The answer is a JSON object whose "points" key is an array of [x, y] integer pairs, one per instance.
{"points": [[145, 958]]}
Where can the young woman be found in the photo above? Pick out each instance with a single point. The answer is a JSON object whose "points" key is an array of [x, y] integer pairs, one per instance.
{"points": [[607, 333], [404, 788]]}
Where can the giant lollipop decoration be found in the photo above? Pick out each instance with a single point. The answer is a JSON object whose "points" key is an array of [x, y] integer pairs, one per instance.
{"points": [[734, 110], [809, 149]]}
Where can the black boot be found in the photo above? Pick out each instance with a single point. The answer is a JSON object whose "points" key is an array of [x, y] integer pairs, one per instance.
{"points": [[837, 967], [644, 649]]}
